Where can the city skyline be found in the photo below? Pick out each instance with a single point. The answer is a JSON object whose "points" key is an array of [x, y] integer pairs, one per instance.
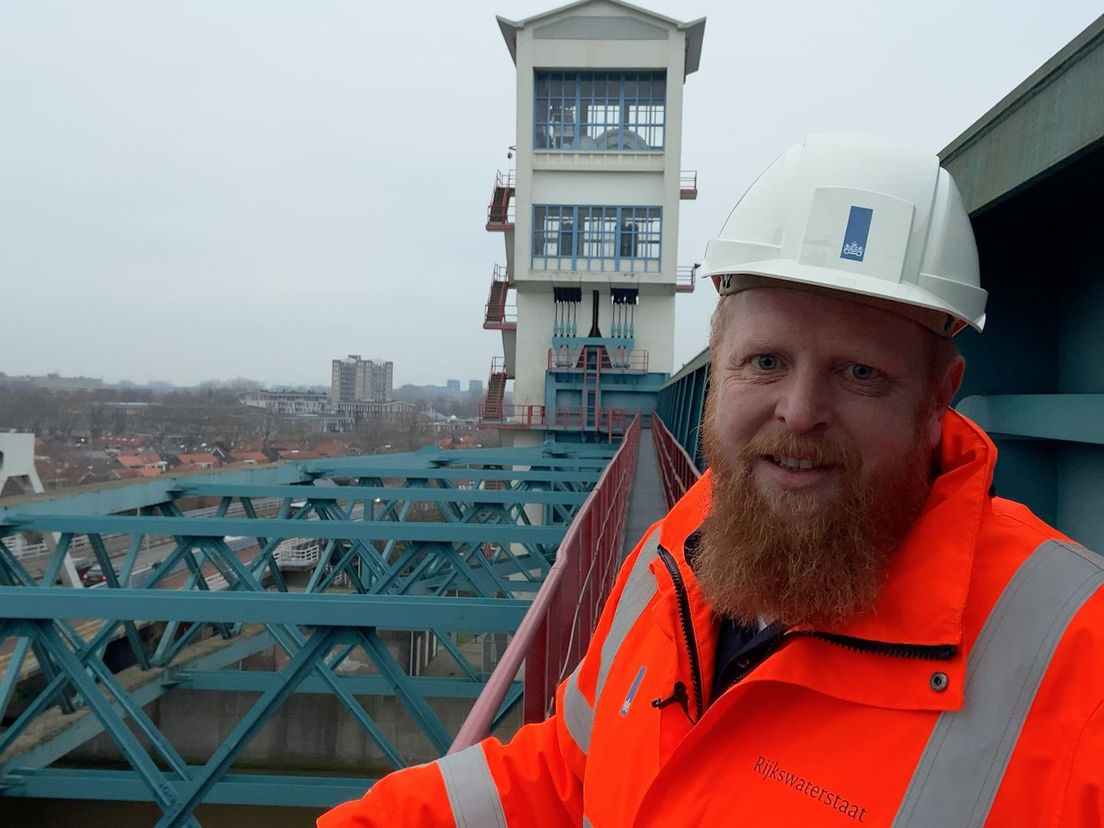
{"points": [[61, 382], [210, 192]]}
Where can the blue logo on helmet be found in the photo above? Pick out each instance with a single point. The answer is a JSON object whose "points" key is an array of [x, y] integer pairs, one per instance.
{"points": [[856, 234]]}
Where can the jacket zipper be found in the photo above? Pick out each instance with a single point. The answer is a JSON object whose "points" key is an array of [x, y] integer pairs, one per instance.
{"points": [[927, 652], [691, 640]]}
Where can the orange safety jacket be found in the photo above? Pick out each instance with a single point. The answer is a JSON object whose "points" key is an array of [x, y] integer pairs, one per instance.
{"points": [[973, 694]]}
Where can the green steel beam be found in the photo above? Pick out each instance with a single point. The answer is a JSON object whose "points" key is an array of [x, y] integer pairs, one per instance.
{"points": [[303, 609]]}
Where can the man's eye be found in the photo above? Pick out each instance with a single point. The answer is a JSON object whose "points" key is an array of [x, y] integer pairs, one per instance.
{"points": [[861, 372], [765, 362]]}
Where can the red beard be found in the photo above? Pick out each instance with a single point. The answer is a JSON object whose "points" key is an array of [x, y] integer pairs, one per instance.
{"points": [[799, 558]]}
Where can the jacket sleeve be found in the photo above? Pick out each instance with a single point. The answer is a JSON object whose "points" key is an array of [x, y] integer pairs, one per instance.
{"points": [[1084, 801], [524, 782], [535, 779]]}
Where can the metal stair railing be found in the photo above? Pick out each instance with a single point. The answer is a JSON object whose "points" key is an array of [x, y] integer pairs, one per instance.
{"points": [[676, 469]]}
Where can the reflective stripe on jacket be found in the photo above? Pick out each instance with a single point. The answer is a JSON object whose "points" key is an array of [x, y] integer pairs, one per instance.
{"points": [[1007, 728]]}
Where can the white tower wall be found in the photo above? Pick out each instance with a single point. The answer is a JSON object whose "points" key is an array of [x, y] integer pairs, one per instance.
{"points": [[603, 36]]}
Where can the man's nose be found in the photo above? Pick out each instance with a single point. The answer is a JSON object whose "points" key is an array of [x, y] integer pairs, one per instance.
{"points": [[804, 402]]}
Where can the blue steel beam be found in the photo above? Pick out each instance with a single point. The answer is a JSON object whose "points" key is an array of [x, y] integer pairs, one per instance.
{"points": [[550, 454], [12, 672], [390, 612], [342, 530], [421, 494], [291, 641], [85, 727], [163, 794], [401, 685], [80, 730], [77, 665], [257, 681], [445, 640], [556, 480], [231, 789], [112, 498], [129, 627], [57, 560], [451, 473], [179, 811]]}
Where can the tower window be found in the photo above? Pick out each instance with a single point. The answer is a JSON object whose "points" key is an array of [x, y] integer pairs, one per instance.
{"points": [[600, 111], [596, 238]]}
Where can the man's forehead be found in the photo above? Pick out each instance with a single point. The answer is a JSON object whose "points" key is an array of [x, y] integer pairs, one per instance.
{"points": [[780, 313], [929, 320]]}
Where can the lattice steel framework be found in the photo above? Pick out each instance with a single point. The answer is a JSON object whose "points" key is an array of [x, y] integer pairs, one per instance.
{"points": [[315, 561]]}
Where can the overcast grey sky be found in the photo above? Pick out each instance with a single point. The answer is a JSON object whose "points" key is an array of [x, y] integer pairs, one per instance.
{"points": [[200, 190]]}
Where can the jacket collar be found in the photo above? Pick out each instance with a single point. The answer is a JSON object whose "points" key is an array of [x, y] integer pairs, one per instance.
{"points": [[924, 596]]}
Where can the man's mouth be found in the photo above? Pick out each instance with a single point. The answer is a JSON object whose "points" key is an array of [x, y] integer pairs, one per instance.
{"points": [[793, 462]]}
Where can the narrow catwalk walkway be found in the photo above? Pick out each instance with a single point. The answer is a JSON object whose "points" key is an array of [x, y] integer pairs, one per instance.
{"points": [[646, 503]]}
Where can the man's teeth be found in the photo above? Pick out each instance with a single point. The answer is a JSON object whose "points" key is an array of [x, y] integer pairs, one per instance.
{"points": [[792, 462]]}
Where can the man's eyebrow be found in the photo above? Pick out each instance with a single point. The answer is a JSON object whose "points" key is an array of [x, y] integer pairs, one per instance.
{"points": [[759, 345]]}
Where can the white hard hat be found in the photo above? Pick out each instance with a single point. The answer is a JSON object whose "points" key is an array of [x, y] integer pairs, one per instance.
{"points": [[862, 215]]}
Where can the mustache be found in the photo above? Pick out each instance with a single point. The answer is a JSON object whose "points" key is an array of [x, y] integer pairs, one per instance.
{"points": [[787, 444]]}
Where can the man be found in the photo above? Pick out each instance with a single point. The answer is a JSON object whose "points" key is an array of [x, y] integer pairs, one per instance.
{"points": [[841, 624]]}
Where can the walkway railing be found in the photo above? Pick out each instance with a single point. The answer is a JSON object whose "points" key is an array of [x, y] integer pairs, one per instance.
{"points": [[688, 184], [557, 628], [685, 277], [676, 469]]}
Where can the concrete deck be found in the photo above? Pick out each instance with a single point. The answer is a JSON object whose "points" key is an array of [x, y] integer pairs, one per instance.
{"points": [[646, 503]]}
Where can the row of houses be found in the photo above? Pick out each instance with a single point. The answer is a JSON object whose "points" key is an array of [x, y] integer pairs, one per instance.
{"points": [[131, 457]]}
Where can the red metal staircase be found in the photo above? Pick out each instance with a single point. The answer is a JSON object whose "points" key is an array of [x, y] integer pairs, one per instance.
{"points": [[500, 213], [497, 315], [492, 408]]}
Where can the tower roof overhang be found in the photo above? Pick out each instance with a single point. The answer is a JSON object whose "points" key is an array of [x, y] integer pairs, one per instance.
{"points": [[694, 29]]}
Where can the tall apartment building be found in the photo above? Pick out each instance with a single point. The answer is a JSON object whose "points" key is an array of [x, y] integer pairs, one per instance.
{"points": [[361, 380], [590, 218]]}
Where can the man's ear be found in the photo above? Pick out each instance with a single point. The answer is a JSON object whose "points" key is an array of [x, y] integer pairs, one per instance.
{"points": [[944, 392]]}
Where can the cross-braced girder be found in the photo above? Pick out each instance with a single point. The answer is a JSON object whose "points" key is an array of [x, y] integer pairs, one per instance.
{"points": [[326, 568]]}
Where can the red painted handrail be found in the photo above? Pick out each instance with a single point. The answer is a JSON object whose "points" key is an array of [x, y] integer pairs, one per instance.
{"points": [[557, 628], [676, 469]]}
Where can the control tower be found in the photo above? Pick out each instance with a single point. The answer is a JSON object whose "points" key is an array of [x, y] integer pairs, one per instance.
{"points": [[590, 220]]}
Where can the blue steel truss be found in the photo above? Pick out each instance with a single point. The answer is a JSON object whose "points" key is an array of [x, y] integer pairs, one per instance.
{"points": [[318, 561]]}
